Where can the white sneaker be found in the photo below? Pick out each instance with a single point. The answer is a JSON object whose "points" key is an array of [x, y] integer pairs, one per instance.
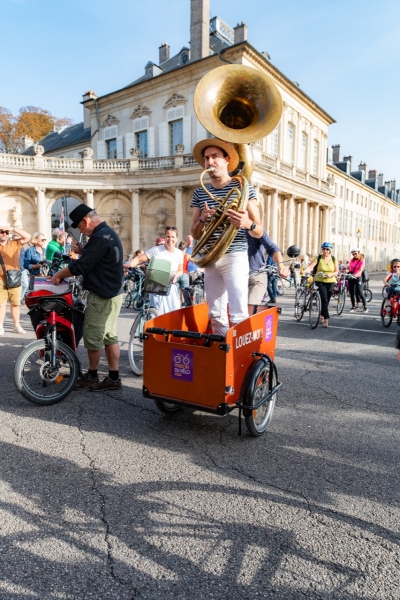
{"points": [[18, 329], [1, 330]]}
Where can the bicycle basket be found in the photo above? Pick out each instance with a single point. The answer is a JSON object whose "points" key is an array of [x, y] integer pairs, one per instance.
{"points": [[158, 278]]}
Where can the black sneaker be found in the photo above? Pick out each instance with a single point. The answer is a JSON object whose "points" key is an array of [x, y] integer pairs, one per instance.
{"points": [[107, 385], [272, 301], [85, 381]]}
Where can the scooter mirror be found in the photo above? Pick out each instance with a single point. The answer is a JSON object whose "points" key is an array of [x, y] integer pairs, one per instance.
{"points": [[293, 251]]}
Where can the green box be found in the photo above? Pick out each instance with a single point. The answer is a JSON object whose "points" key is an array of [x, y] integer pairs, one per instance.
{"points": [[158, 276]]}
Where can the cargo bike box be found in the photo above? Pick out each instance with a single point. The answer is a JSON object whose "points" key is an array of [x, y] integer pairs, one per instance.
{"points": [[186, 365]]}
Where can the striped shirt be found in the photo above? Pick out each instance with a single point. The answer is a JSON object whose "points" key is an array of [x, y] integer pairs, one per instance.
{"points": [[199, 197]]}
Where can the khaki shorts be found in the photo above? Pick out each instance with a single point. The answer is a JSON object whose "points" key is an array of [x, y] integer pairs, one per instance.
{"points": [[13, 294], [100, 327], [257, 287]]}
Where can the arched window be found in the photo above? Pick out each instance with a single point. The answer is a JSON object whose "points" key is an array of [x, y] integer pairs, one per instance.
{"points": [[289, 146]]}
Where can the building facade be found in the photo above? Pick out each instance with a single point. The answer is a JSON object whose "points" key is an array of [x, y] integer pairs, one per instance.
{"points": [[131, 157]]}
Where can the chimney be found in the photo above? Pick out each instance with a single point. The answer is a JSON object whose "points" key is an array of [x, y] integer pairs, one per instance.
{"points": [[381, 180], [336, 153], [372, 174], [363, 167], [27, 142], [240, 32], [163, 53], [348, 159], [89, 95], [199, 29]]}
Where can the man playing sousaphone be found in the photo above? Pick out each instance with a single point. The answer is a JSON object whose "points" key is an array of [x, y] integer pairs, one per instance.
{"points": [[226, 281]]}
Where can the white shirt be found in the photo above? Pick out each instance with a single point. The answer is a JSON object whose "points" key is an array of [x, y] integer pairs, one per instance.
{"points": [[175, 257]]}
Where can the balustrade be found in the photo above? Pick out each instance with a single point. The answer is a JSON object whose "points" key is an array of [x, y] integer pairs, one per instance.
{"points": [[270, 161], [16, 160], [166, 162], [63, 164], [111, 165], [189, 161]]}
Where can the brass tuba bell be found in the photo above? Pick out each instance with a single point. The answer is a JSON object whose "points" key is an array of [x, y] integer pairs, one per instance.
{"points": [[237, 104]]}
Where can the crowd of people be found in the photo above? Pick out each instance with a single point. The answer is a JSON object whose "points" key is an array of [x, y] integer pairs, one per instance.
{"points": [[236, 279]]}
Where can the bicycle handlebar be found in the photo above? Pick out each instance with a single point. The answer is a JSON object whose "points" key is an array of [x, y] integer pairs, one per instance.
{"points": [[188, 334]]}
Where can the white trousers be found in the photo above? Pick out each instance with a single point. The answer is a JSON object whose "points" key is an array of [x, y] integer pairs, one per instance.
{"points": [[226, 282]]}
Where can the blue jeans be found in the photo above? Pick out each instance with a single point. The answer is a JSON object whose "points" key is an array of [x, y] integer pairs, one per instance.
{"points": [[24, 283], [272, 287]]}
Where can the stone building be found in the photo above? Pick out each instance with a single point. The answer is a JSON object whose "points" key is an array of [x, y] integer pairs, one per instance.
{"points": [[131, 157]]}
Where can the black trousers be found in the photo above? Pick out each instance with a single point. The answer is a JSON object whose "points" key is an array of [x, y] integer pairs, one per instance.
{"points": [[325, 292], [356, 291]]}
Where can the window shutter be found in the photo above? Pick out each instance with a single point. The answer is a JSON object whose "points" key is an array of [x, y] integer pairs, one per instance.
{"points": [[173, 114], [130, 142], [151, 142], [101, 150], [201, 134], [120, 146], [110, 132], [187, 134], [163, 149], [140, 124]]}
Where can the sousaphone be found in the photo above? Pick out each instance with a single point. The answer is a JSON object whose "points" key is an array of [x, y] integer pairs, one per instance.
{"points": [[237, 104]]}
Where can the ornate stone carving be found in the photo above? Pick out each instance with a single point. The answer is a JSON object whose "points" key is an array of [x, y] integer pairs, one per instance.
{"points": [[39, 150], [175, 100], [179, 148], [88, 153], [161, 217], [16, 216], [110, 120], [116, 219], [134, 152], [330, 178], [140, 111]]}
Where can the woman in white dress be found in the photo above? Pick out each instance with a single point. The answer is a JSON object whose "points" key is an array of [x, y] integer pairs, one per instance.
{"points": [[165, 304]]}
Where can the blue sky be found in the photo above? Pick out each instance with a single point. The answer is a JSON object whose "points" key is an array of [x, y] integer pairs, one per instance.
{"points": [[345, 55]]}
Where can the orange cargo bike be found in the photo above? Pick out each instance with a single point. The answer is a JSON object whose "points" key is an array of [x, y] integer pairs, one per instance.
{"points": [[186, 365]]}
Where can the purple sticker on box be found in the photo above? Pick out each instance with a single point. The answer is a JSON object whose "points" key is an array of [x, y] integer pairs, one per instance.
{"points": [[182, 365], [268, 328]]}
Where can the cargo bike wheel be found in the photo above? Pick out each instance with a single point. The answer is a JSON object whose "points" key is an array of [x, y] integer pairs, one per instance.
{"points": [[167, 408], [261, 382]]}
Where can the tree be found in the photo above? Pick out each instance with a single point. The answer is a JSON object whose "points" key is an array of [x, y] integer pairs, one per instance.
{"points": [[8, 137], [32, 121]]}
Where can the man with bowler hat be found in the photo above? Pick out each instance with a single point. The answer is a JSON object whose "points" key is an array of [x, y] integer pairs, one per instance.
{"points": [[100, 265]]}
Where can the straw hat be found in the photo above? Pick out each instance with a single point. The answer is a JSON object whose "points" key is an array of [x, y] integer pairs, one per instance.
{"points": [[229, 149]]}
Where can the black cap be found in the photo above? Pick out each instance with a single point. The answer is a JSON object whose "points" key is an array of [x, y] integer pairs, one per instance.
{"points": [[78, 213]]}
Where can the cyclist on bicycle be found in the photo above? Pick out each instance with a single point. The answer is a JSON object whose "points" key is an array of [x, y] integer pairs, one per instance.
{"points": [[392, 281], [356, 267], [325, 269]]}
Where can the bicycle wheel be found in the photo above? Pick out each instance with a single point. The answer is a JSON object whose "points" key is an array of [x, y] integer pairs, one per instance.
{"points": [[279, 288], [128, 300], [386, 313], [37, 381], [135, 346], [287, 283], [314, 310], [299, 304], [368, 295], [168, 408], [262, 380], [341, 300], [384, 291]]}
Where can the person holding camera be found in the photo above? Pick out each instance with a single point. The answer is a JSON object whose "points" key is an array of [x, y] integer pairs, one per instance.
{"points": [[34, 257], [9, 259]]}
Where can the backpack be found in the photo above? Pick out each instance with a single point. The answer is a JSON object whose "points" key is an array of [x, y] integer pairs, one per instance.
{"points": [[365, 276], [315, 269]]}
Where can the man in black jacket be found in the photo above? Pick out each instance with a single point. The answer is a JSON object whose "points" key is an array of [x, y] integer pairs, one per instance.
{"points": [[100, 265]]}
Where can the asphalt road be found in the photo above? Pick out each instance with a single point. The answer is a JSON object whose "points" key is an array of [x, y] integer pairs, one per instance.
{"points": [[103, 497]]}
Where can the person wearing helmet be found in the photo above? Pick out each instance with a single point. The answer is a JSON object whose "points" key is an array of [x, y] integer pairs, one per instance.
{"points": [[356, 267], [325, 269]]}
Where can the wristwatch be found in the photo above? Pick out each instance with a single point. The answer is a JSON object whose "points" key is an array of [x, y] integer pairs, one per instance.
{"points": [[252, 226]]}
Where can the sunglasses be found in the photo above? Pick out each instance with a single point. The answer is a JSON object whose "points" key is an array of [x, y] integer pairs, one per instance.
{"points": [[4, 231], [173, 228], [354, 253], [396, 266], [42, 240]]}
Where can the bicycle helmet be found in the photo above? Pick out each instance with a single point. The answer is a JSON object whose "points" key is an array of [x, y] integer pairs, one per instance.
{"points": [[327, 245]]}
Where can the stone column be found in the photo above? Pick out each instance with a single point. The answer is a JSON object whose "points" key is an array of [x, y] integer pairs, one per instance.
{"points": [[283, 225], [267, 213], [315, 237], [290, 235], [326, 224], [135, 219], [89, 197], [273, 218], [303, 227], [179, 211], [42, 224]]}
